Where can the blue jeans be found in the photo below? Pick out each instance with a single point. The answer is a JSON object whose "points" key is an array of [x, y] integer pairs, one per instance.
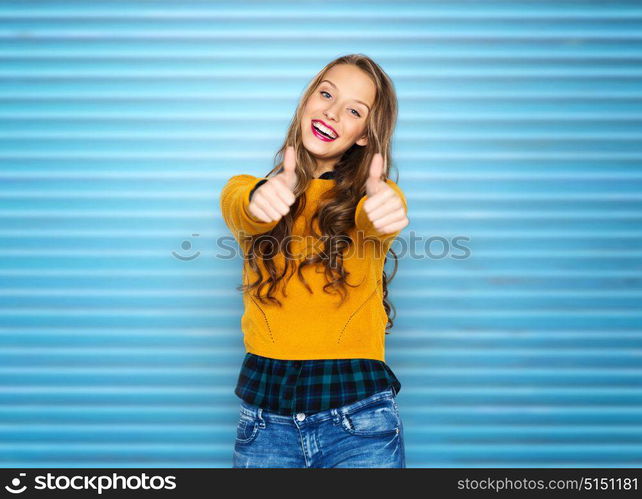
{"points": [[365, 434]]}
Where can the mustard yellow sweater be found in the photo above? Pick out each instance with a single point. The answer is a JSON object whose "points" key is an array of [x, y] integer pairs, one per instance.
{"points": [[313, 326]]}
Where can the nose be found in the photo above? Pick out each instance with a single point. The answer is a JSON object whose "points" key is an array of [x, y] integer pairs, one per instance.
{"points": [[330, 113]]}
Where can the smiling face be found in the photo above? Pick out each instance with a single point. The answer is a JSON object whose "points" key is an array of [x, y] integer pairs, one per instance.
{"points": [[335, 115]]}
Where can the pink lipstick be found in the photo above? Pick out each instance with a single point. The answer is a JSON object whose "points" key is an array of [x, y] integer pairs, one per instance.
{"points": [[323, 131]]}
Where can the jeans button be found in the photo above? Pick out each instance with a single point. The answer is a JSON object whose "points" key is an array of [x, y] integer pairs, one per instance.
{"points": [[300, 416]]}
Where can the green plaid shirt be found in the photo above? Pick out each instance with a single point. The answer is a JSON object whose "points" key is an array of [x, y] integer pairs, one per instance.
{"points": [[291, 386]]}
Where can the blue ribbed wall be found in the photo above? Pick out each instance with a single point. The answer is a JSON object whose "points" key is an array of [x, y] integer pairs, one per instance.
{"points": [[520, 128]]}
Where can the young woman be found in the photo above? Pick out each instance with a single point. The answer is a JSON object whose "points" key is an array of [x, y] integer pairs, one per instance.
{"points": [[314, 386]]}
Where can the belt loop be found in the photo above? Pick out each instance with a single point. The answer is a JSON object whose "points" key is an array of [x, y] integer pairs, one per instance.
{"points": [[259, 415], [335, 416]]}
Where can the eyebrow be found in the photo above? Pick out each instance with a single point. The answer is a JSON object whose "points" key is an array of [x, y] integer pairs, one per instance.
{"points": [[356, 100]]}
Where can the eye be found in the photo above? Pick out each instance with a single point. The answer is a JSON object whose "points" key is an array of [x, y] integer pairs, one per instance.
{"points": [[356, 113]]}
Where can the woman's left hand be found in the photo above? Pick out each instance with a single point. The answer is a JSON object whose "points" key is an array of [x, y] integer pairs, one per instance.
{"points": [[384, 207]]}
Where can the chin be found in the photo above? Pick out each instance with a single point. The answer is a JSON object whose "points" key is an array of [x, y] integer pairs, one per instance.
{"points": [[315, 147]]}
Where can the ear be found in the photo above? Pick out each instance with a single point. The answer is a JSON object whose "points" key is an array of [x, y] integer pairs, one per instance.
{"points": [[362, 141]]}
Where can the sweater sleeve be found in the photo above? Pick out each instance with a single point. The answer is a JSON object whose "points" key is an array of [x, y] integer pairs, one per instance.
{"points": [[235, 202], [363, 223]]}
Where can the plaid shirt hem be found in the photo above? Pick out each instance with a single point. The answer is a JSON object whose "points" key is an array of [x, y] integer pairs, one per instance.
{"points": [[291, 386]]}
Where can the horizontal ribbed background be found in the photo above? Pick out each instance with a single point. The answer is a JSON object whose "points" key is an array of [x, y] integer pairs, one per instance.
{"points": [[520, 128]]}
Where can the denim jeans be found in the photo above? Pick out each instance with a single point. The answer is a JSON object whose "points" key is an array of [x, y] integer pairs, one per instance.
{"points": [[365, 434]]}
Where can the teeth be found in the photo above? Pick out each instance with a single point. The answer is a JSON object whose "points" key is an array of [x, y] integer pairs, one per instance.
{"points": [[325, 129]]}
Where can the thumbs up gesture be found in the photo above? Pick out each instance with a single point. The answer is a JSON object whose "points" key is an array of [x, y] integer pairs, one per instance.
{"points": [[384, 207], [272, 200]]}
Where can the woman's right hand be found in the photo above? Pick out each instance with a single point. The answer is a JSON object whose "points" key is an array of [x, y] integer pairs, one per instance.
{"points": [[272, 200]]}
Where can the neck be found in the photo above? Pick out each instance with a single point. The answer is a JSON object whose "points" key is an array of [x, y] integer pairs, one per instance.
{"points": [[321, 171], [322, 167]]}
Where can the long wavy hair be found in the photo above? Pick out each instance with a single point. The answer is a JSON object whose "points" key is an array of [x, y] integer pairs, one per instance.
{"points": [[336, 209]]}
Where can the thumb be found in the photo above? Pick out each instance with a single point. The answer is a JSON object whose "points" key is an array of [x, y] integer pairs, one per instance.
{"points": [[374, 178], [289, 167]]}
